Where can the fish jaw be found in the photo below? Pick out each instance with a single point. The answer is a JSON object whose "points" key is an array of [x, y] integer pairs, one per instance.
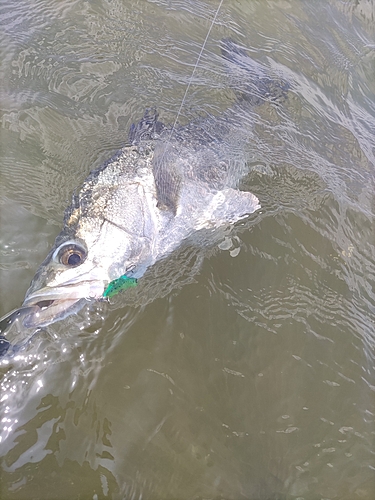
{"points": [[47, 312], [50, 304]]}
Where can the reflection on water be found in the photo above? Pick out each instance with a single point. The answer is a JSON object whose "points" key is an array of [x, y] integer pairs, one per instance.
{"points": [[240, 371]]}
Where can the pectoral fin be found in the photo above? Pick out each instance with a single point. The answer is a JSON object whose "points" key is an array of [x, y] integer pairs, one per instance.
{"points": [[229, 206]]}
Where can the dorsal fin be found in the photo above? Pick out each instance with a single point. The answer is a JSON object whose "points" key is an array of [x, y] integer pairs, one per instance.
{"points": [[147, 129]]}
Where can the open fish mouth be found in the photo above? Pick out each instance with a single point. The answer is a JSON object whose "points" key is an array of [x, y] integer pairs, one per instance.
{"points": [[41, 308], [20, 325], [39, 314], [46, 311], [49, 304]]}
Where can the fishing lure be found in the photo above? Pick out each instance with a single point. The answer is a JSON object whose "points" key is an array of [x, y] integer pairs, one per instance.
{"points": [[119, 284]]}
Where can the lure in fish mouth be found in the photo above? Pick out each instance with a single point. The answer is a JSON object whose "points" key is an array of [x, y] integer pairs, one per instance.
{"points": [[49, 304], [59, 289], [140, 205], [65, 282], [128, 215]]}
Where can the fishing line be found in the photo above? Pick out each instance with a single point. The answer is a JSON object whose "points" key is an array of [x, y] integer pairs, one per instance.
{"points": [[125, 281], [195, 67]]}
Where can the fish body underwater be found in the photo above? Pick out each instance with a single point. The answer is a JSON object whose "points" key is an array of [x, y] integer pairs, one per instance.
{"points": [[138, 207]]}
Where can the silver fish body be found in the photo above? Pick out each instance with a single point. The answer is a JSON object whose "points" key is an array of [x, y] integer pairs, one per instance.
{"points": [[138, 207], [134, 210]]}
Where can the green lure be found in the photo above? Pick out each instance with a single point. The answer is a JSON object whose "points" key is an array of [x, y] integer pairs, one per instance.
{"points": [[119, 284]]}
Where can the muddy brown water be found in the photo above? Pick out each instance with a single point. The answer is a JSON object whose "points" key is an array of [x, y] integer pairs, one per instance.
{"points": [[239, 371]]}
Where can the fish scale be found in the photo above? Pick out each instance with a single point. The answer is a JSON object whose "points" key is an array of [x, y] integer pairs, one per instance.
{"points": [[141, 204]]}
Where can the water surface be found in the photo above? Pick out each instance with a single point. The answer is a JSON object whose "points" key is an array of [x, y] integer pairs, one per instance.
{"points": [[239, 371]]}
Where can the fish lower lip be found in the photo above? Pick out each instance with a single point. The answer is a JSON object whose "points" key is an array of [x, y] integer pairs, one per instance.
{"points": [[50, 304], [45, 312], [36, 315], [16, 315]]}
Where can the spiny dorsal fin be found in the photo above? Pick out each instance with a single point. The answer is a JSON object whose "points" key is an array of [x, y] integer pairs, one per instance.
{"points": [[147, 129]]}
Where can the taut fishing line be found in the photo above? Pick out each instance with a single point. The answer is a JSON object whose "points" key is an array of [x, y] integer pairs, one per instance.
{"points": [[195, 66]]}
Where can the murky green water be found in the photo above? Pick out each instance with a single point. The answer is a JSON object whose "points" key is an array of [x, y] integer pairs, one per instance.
{"points": [[240, 372]]}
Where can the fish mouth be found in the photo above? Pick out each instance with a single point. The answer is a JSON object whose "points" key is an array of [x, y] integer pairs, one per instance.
{"points": [[30, 318], [39, 309], [44, 312], [47, 305], [35, 316]]}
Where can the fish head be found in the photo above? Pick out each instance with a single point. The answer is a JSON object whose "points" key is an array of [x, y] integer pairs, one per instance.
{"points": [[81, 266]]}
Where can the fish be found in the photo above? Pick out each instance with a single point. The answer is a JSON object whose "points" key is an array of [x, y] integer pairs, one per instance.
{"points": [[165, 184]]}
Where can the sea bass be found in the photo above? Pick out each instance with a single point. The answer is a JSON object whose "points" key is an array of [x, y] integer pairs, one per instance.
{"points": [[138, 207]]}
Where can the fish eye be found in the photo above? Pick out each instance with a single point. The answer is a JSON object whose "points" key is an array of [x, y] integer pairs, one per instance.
{"points": [[71, 255]]}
